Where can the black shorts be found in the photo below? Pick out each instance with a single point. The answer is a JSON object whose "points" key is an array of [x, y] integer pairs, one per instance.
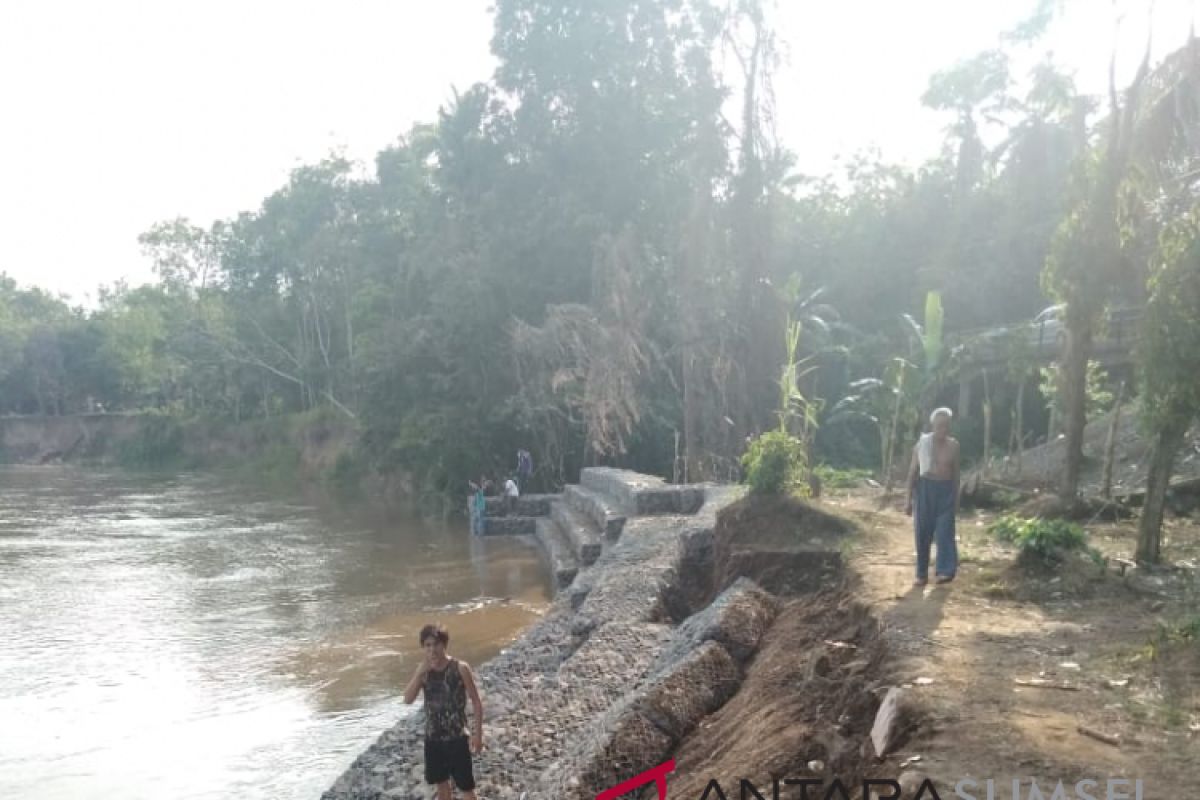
{"points": [[449, 759]]}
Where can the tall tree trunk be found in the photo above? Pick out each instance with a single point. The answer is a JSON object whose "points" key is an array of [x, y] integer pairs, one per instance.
{"points": [[1074, 390], [750, 247], [690, 454], [1110, 447], [987, 424], [1020, 424], [1162, 462], [890, 454], [693, 265]]}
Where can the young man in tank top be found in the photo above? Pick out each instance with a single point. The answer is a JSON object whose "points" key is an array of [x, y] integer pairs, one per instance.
{"points": [[447, 683], [933, 480]]}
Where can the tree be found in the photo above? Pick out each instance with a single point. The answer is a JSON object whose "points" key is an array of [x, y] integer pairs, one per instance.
{"points": [[1170, 357], [1086, 259], [1162, 220]]}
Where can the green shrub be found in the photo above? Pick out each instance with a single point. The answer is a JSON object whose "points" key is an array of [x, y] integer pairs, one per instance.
{"points": [[1044, 540], [774, 463]]}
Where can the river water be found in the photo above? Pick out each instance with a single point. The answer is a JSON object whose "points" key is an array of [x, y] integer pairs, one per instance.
{"points": [[177, 637]]}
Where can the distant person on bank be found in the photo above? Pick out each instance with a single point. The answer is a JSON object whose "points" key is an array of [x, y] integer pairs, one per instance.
{"points": [[478, 505], [447, 683], [524, 469], [932, 493], [511, 493]]}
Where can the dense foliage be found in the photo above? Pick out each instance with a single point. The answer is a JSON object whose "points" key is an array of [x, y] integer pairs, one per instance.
{"points": [[587, 256]]}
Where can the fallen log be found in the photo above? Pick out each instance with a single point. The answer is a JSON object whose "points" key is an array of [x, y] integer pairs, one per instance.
{"points": [[980, 493], [1099, 736], [1038, 683]]}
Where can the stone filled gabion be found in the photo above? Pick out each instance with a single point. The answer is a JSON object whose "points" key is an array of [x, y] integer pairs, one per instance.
{"points": [[737, 620], [619, 744], [676, 699], [626, 583], [597, 690]]}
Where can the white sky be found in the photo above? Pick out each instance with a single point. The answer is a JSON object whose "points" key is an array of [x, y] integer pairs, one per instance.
{"points": [[118, 114]]}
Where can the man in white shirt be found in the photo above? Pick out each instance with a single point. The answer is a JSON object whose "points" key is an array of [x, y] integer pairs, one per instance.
{"points": [[933, 482], [511, 493]]}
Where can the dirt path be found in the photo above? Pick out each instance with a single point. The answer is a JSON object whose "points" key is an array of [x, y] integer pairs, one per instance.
{"points": [[963, 647]]}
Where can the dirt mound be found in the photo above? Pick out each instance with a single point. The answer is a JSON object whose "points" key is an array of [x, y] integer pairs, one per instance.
{"points": [[1075, 577], [810, 694], [1083, 509], [785, 545], [1042, 465], [807, 698]]}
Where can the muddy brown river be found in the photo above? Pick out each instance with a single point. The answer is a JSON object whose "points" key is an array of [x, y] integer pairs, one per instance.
{"points": [[179, 637]]}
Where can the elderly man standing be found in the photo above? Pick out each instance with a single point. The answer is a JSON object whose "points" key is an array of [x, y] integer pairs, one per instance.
{"points": [[933, 483]]}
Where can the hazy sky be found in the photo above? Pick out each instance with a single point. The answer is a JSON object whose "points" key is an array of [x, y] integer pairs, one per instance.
{"points": [[120, 113]]}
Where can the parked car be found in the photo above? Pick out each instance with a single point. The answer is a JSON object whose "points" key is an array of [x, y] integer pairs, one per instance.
{"points": [[1119, 331], [1046, 334]]}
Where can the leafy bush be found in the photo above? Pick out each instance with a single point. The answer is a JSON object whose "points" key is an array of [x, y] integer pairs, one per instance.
{"points": [[773, 464], [1044, 540]]}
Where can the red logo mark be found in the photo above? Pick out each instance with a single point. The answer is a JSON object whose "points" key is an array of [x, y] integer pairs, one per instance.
{"points": [[658, 775]]}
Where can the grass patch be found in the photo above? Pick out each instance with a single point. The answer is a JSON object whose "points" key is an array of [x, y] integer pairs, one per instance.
{"points": [[994, 585], [834, 478]]}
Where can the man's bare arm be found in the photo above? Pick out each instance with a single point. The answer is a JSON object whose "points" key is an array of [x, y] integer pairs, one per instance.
{"points": [[957, 476], [415, 683], [476, 705], [914, 468]]}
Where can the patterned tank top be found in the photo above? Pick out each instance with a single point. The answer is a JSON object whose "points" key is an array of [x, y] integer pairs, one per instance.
{"points": [[445, 703]]}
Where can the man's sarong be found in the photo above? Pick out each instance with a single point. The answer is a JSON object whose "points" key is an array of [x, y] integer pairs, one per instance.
{"points": [[933, 519]]}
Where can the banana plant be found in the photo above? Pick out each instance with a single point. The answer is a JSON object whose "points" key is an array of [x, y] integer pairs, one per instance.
{"points": [[928, 347], [881, 402]]}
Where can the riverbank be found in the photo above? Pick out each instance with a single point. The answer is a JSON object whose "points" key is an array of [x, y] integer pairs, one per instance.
{"points": [[317, 450], [772, 639], [644, 645]]}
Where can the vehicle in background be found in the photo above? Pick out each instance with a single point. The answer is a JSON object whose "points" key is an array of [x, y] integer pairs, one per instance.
{"points": [[1119, 330], [1049, 334], [1046, 335]]}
